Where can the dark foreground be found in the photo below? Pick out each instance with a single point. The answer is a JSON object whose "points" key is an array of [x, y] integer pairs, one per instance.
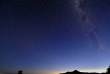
{"points": [[78, 72]]}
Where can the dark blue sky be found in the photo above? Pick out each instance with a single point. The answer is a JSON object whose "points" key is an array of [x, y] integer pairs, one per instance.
{"points": [[53, 36]]}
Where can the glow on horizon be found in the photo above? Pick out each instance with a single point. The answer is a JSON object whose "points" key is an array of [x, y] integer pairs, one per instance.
{"points": [[98, 70], [101, 70], [1, 73], [43, 73]]}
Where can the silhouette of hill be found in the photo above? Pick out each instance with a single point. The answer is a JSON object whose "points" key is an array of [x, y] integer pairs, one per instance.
{"points": [[78, 72]]}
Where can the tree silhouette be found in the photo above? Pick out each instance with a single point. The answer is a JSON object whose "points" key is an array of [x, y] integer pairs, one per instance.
{"points": [[108, 70], [20, 72]]}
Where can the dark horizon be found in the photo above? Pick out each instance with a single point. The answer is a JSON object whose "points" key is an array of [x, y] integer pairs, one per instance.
{"points": [[78, 72], [70, 72]]}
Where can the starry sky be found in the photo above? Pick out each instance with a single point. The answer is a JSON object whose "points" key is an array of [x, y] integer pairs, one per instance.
{"points": [[54, 36]]}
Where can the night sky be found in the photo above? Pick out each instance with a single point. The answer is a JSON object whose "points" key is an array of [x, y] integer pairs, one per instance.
{"points": [[54, 36]]}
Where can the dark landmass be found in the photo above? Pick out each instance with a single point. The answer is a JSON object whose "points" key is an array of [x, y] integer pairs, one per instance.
{"points": [[78, 72]]}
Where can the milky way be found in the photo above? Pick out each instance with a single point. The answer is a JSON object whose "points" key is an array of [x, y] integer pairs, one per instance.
{"points": [[88, 27]]}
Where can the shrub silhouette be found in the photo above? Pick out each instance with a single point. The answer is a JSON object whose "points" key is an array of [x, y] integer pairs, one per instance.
{"points": [[20, 72], [108, 70]]}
